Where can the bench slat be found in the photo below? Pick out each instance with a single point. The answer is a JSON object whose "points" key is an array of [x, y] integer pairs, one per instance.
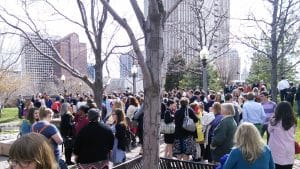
{"points": [[165, 163]]}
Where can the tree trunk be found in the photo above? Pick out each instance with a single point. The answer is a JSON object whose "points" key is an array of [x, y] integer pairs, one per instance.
{"points": [[274, 52], [274, 80], [154, 52], [98, 85]]}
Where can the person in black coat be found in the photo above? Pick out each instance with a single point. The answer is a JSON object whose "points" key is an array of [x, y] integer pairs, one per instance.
{"points": [[94, 142], [297, 98], [184, 143], [168, 117], [67, 131]]}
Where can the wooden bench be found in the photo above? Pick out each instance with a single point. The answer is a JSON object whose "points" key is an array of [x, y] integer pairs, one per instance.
{"points": [[165, 163]]}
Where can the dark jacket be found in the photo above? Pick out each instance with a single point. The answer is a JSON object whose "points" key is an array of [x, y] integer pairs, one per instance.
{"points": [[223, 138], [298, 94], [67, 125], [121, 136], [181, 133], [93, 144], [168, 116]]}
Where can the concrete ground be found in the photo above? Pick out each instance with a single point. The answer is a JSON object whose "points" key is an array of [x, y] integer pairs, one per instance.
{"points": [[130, 155]]}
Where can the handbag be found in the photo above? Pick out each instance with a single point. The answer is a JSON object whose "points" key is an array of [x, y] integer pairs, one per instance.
{"points": [[188, 123], [297, 148], [167, 128]]}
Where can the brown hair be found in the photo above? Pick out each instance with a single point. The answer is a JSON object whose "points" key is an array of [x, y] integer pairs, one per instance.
{"points": [[36, 148], [120, 116], [30, 115], [217, 107]]}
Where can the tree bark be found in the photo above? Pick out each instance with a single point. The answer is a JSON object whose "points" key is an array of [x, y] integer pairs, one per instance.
{"points": [[154, 52], [274, 80], [274, 51]]}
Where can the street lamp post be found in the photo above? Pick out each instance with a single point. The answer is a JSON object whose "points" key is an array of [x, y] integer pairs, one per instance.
{"points": [[134, 73], [204, 53], [63, 79]]}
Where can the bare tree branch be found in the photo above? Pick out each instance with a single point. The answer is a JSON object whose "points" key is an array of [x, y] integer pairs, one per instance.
{"points": [[139, 14], [131, 36], [85, 24], [171, 10]]}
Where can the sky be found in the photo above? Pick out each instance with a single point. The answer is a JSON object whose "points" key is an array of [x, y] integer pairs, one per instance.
{"points": [[54, 25]]}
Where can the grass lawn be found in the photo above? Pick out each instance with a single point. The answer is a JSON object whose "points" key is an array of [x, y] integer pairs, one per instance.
{"points": [[9, 115]]}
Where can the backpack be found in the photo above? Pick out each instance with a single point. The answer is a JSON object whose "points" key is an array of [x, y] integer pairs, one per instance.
{"points": [[55, 107]]}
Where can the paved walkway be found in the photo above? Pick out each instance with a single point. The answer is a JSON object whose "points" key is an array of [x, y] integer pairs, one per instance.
{"points": [[130, 155]]}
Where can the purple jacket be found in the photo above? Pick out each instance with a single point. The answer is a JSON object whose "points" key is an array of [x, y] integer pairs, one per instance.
{"points": [[214, 124]]}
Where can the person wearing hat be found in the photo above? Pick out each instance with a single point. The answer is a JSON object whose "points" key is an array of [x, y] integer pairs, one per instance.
{"points": [[93, 143]]}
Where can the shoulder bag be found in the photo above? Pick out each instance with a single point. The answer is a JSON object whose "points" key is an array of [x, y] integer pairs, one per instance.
{"points": [[168, 128], [188, 123]]}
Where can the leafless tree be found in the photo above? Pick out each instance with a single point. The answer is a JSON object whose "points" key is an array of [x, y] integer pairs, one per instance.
{"points": [[152, 28], [93, 23], [279, 35]]}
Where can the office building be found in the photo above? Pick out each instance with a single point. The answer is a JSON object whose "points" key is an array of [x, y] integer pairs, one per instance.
{"points": [[45, 74], [182, 31], [35, 65], [74, 53]]}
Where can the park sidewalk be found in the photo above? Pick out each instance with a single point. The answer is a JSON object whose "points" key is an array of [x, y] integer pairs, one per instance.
{"points": [[130, 155]]}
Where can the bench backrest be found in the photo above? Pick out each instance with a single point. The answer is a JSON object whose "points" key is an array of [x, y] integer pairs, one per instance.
{"points": [[165, 163], [135, 163]]}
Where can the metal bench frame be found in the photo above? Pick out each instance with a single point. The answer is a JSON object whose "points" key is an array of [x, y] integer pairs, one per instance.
{"points": [[165, 163]]}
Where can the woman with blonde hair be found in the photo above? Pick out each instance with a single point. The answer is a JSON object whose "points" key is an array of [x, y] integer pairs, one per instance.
{"points": [[250, 150], [32, 151]]}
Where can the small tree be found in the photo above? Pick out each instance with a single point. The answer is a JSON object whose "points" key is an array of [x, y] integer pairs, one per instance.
{"points": [[279, 35], [175, 71]]}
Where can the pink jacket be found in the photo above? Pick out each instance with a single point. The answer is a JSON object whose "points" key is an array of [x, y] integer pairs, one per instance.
{"points": [[282, 144]]}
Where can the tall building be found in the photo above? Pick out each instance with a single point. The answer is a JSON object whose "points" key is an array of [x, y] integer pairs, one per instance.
{"points": [[126, 62], [126, 80], [229, 67], [74, 53], [42, 70], [34, 64], [183, 32]]}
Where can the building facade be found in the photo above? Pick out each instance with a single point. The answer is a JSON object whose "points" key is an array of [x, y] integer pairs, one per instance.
{"points": [[125, 83], [43, 72], [126, 62], [74, 53], [35, 65], [194, 24]]}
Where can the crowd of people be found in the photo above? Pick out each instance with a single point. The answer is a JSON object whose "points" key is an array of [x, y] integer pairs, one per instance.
{"points": [[232, 125], [229, 126], [91, 136]]}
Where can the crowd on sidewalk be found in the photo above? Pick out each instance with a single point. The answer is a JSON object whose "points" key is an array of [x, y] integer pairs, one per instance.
{"points": [[224, 127]]}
